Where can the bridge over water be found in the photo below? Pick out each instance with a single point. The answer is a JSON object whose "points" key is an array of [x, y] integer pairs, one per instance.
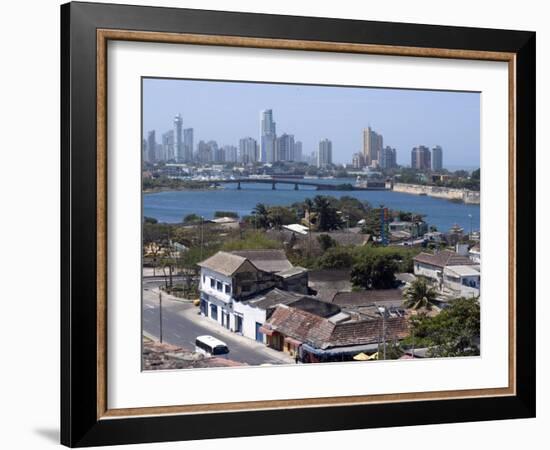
{"points": [[297, 183]]}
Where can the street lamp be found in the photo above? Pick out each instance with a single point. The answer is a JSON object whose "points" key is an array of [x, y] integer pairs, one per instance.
{"points": [[470, 216]]}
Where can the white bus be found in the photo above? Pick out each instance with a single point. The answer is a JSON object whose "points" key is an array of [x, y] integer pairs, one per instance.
{"points": [[210, 346]]}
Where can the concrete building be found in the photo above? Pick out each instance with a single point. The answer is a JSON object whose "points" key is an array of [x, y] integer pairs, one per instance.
{"points": [[421, 158], [437, 158], [248, 150], [372, 145], [284, 147], [387, 158], [232, 285], [205, 152], [151, 147], [297, 155], [324, 155], [188, 145], [464, 280], [231, 153], [475, 254], [168, 145], [178, 139], [358, 161], [412, 229], [433, 265], [268, 136]]}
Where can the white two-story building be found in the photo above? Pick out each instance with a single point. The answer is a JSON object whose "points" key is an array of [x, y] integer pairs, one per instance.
{"points": [[433, 266], [229, 279]]}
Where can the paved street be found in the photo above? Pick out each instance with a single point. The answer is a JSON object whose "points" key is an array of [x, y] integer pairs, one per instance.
{"points": [[182, 324]]}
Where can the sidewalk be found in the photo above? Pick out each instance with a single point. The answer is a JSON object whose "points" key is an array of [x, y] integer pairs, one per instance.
{"points": [[167, 296]]}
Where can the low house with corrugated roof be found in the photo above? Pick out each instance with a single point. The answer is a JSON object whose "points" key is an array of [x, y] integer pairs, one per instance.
{"points": [[432, 265], [314, 338]]}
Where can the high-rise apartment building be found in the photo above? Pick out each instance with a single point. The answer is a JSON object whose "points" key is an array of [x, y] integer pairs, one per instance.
{"points": [[421, 158], [248, 150], [230, 153], [188, 145], [297, 156], [206, 151], [179, 155], [372, 145], [151, 147], [268, 136], [168, 146], [437, 158], [358, 161], [324, 155], [284, 147], [388, 158]]}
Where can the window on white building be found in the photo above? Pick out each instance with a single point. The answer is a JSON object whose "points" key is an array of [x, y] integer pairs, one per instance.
{"points": [[227, 289], [212, 283]]}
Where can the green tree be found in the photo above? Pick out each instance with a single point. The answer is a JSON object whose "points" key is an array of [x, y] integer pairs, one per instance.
{"points": [[280, 215], [252, 241], [374, 272], [261, 214], [191, 218], [326, 242], [327, 216], [336, 258], [453, 332], [419, 295], [150, 220]]}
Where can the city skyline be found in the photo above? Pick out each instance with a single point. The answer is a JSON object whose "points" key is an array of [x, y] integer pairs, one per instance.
{"points": [[226, 112]]}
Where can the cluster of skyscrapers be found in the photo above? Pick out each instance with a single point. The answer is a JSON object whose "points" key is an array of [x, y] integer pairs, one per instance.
{"points": [[424, 159], [275, 148], [177, 146], [374, 153]]}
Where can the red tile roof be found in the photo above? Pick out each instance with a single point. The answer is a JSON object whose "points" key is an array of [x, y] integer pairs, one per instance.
{"points": [[322, 333]]}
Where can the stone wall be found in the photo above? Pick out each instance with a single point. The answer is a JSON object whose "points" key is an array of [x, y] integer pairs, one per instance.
{"points": [[463, 195]]}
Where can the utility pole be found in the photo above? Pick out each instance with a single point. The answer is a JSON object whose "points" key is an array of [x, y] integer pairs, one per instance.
{"points": [[384, 332], [160, 315], [201, 234]]}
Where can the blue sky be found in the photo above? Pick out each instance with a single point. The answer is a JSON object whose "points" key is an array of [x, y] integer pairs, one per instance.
{"points": [[227, 111]]}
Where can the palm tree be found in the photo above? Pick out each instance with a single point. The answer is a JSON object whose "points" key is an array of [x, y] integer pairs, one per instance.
{"points": [[419, 295], [261, 214], [327, 216]]}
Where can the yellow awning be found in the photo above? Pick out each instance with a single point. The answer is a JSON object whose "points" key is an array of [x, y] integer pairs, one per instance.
{"points": [[361, 357]]}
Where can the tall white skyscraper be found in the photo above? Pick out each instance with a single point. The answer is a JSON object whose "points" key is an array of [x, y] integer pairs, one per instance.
{"points": [[268, 136], [178, 139], [324, 155], [437, 158]]}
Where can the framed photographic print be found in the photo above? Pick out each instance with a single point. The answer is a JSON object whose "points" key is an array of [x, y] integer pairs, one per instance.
{"points": [[277, 224]]}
